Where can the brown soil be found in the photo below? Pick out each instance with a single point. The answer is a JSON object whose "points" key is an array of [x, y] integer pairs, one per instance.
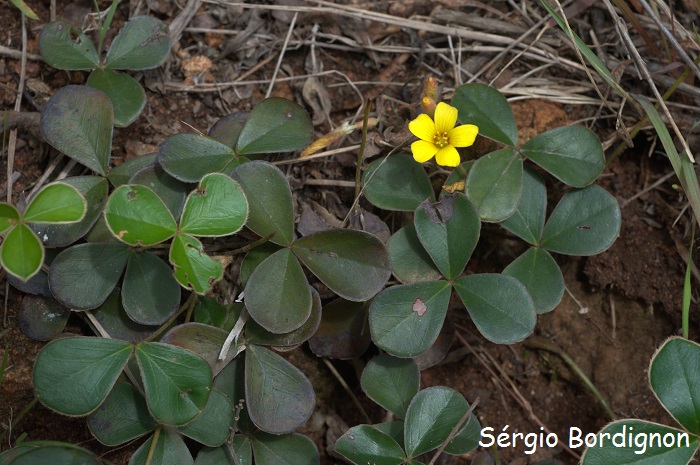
{"points": [[622, 303]]}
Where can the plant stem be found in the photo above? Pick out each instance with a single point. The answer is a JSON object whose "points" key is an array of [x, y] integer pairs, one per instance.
{"points": [[540, 343], [246, 248], [189, 303], [152, 449], [454, 432], [687, 283]]}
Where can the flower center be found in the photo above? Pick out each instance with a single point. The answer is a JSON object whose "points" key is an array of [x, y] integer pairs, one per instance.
{"points": [[441, 140]]}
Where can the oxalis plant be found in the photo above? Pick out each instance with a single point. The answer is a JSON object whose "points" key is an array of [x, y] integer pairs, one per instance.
{"points": [[170, 222], [143, 43]]}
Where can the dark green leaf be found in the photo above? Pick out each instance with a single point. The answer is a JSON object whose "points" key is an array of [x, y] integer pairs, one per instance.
{"points": [[397, 182], [343, 330], [499, 305], [213, 426], [231, 381], [217, 207], [121, 174], [618, 450], [254, 258], [222, 456], [194, 269], [82, 276], [137, 216], [114, 320], [573, 154], [391, 382], [94, 189], [64, 47], [487, 108], [541, 275], [275, 125], [449, 231], [48, 453], [269, 201], [353, 264], [467, 439], [211, 312], [674, 378], [585, 222], [177, 382], [42, 318], [150, 293], [290, 449], [169, 450], [363, 444], [430, 418], [203, 340], [278, 396], [127, 96], [123, 416], [416, 309], [495, 183], [227, 129], [277, 294], [57, 202], [21, 252], [256, 334], [144, 43], [528, 220], [410, 262], [78, 121], [73, 375], [189, 156], [170, 190]]}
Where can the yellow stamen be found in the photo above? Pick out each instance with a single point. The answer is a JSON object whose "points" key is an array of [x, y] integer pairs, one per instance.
{"points": [[441, 140]]}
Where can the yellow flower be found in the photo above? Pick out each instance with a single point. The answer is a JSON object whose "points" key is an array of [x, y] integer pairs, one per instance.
{"points": [[440, 137]]}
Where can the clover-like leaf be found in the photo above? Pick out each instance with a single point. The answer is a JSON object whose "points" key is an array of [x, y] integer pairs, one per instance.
{"points": [[144, 43], [221, 455], [227, 129], [410, 263], [528, 220], [47, 453], [391, 382], [417, 309], [541, 275], [21, 252], [278, 396], [113, 319], [170, 449], [189, 156], [171, 191], [194, 269], [64, 47], [364, 444], [123, 416], [495, 183], [342, 332], [288, 449], [82, 277], [9, 216], [202, 340], [126, 94], [78, 121], [628, 452], [150, 293], [397, 182], [269, 201], [585, 222], [217, 207], [449, 231], [74, 375], [672, 377], [277, 293], [56, 203], [353, 264], [467, 439], [499, 305], [275, 125], [120, 175], [213, 426], [176, 381], [95, 190], [572, 154], [487, 108], [42, 318], [137, 216]]}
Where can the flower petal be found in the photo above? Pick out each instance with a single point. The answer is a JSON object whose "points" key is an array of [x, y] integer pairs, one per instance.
{"points": [[447, 156], [423, 128], [423, 151], [463, 136], [445, 117]]}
